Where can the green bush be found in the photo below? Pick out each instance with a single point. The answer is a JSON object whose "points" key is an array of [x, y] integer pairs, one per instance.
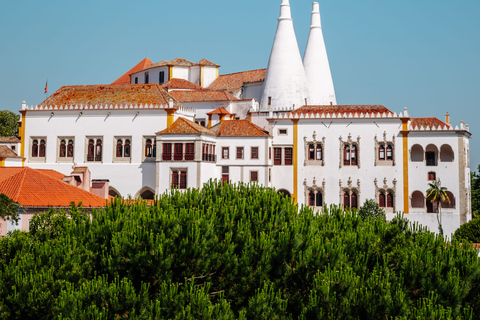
{"points": [[469, 232], [371, 209], [232, 252]]}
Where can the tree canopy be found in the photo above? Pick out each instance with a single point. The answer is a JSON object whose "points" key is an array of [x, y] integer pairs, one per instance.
{"points": [[8, 123], [232, 252]]}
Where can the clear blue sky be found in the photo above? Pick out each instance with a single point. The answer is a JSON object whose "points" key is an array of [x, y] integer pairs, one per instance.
{"points": [[422, 54]]}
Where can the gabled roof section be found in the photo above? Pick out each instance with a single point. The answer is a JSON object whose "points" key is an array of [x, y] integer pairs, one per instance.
{"points": [[417, 123], [120, 94], [235, 81], [207, 63], [178, 62], [125, 79], [202, 96], [341, 109], [238, 128], [218, 111], [11, 139], [33, 188], [184, 126], [6, 152], [180, 84]]}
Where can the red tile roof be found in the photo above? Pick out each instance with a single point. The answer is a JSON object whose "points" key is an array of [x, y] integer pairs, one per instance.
{"points": [[120, 94], [125, 79], [205, 62], [238, 128], [34, 188], [179, 62], [184, 126], [235, 81], [432, 121], [342, 109], [202, 95], [6, 152], [218, 111], [11, 139], [180, 84]]}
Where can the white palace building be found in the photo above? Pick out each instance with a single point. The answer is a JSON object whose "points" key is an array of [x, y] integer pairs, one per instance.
{"points": [[178, 124]]}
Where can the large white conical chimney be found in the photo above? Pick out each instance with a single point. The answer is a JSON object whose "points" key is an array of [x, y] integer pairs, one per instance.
{"points": [[285, 83], [317, 68]]}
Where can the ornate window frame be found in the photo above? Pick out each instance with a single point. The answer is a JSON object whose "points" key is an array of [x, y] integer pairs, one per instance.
{"points": [[315, 143], [350, 188], [385, 143], [316, 189], [349, 142], [385, 189], [66, 158]]}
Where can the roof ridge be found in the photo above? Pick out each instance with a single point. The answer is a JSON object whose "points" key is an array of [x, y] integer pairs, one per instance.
{"points": [[22, 180], [227, 74]]}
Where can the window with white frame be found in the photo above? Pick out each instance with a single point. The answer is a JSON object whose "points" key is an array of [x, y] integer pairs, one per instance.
{"points": [[239, 152], [349, 152], [65, 149], [254, 153], [123, 149], [149, 148], [179, 178], [94, 146], [254, 176], [283, 156], [225, 152], [384, 151], [314, 151], [38, 149]]}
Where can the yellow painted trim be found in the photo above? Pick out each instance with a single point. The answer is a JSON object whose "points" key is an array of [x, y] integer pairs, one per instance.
{"points": [[22, 136], [295, 161], [170, 73], [209, 121], [201, 76], [222, 117], [170, 117], [217, 74], [406, 197], [2, 162], [250, 117]]}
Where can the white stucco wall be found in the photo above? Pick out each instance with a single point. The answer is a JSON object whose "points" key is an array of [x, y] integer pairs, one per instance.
{"points": [[253, 90], [209, 75]]}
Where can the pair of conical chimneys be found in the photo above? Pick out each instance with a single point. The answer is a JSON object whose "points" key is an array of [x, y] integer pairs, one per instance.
{"points": [[289, 82]]}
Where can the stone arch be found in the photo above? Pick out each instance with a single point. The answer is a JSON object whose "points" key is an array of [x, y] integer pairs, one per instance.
{"points": [[146, 193], [431, 155], [286, 193], [451, 204], [416, 153], [112, 192], [418, 199], [446, 153]]}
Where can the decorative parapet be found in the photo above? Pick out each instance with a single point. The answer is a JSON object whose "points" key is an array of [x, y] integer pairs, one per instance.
{"points": [[333, 115], [181, 109]]}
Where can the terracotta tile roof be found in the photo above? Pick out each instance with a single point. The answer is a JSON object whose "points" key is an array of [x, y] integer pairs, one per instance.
{"points": [[125, 79], [11, 139], [235, 81], [342, 109], [119, 94], [33, 188], [218, 111], [181, 84], [184, 126], [6, 152], [179, 62], [419, 122], [202, 95], [52, 173], [205, 62], [238, 128]]}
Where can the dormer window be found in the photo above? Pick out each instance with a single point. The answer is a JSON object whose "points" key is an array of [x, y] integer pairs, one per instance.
{"points": [[146, 77], [161, 77]]}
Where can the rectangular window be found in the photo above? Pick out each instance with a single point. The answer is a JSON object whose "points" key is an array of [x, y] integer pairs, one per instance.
{"points": [[277, 156], [149, 148], [65, 149], [225, 174], [254, 152], [167, 152], [239, 152], [288, 156], [178, 155], [270, 153], [431, 176], [123, 149], [282, 131], [161, 77], [225, 152], [146, 77], [254, 176], [179, 179], [189, 151], [94, 148]]}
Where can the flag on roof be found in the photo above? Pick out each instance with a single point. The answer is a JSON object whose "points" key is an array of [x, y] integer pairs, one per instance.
{"points": [[46, 86]]}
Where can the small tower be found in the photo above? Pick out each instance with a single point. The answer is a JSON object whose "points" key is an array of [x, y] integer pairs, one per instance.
{"points": [[317, 68], [285, 82]]}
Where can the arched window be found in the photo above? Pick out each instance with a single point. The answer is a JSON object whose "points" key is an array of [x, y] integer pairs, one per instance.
{"points": [[63, 149], [446, 153], [389, 152], [41, 149], [148, 195], [311, 152], [381, 200], [346, 155], [451, 204], [389, 200], [381, 153], [418, 200], [431, 154], [154, 148], [319, 199], [346, 200], [417, 153], [127, 150], [353, 200], [98, 150], [35, 148], [311, 199], [70, 148], [119, 148], [148, 148], [319, 152], [284, 192], [91, 150]]}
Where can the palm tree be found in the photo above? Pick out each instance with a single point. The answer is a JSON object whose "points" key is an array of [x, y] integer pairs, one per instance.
{"points": [[437, 193]]}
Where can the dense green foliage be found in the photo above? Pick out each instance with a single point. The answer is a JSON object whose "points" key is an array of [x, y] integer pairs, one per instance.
{"points": [[469, 232], [8, 123], [9, 209], [437, 194], [371, 209], [232, 252], [475, 180]]}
